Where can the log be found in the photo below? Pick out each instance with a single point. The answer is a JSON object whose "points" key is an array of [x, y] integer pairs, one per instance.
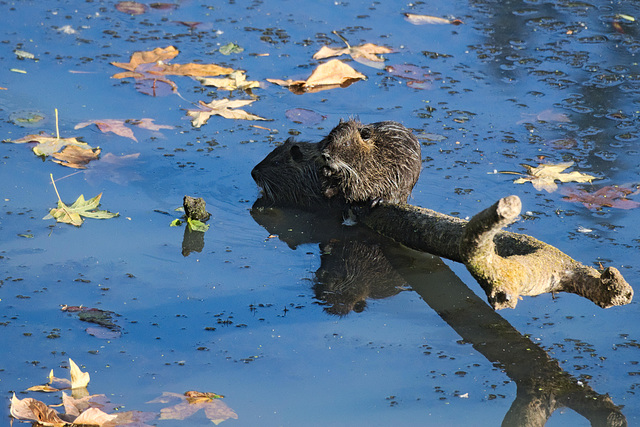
{"points": [[505, 264]]}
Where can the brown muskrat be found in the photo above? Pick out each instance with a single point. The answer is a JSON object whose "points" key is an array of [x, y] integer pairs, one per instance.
{"points": [[291, 175], [355, 163], [371, 163]]}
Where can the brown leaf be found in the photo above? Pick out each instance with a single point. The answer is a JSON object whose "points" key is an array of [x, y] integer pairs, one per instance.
{"points": [[329, 75], [609, 196], [76, 157], [147, 57], [34, 410], [110, 125], [222, 107], [426, 19]]}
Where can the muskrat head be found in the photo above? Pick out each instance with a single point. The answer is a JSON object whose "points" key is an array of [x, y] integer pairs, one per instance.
{"points": [[289, 175]]}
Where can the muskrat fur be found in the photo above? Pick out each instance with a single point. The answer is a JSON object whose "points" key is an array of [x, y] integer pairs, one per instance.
{"points": [[371, 162]]}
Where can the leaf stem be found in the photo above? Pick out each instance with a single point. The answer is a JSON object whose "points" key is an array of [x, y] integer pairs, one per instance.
{"points": [[57, 134], [342, 38], [54, 185]]}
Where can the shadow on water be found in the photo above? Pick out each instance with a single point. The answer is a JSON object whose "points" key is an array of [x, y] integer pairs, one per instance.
{"points": [[358, 265]]}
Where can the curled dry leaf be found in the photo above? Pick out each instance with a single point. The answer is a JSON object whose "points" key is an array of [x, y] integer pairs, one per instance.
{"points": [[33, 410], [544, 176], [79, 379], [426, 19], [222, 107], [329, 75]]}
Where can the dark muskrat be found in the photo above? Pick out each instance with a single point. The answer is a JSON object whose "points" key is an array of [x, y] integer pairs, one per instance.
{"points": [[355, 163], [371, 162], [291, 175]]}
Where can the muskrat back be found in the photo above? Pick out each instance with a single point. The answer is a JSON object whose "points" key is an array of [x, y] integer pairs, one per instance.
{"points": [[371, 163]]}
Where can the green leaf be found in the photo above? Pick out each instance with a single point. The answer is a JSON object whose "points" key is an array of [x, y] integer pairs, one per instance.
{"points": [[176, 223], [195, 225], [230, 48]]}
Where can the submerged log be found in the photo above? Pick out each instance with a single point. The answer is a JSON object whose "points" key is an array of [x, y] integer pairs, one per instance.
{"points": [[505, 264]]}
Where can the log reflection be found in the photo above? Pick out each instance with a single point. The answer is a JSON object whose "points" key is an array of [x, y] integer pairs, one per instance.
{"points": [[357, 265]]}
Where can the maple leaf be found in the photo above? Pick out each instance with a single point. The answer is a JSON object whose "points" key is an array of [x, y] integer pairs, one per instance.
{"points": [[544, 176], [222, 107], [76, 157], [365, 54], [426, 19], [236, 80], [191, 402], [73, 214], [151, 66], [34, 410], [609, 196], [329, 75]]}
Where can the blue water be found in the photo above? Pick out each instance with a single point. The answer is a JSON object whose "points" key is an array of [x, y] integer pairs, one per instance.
{"points": [[490, 81]]}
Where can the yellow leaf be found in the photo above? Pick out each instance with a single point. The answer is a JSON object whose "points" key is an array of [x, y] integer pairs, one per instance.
{"points": [[543, 177], [222, 107], [329, 75]]}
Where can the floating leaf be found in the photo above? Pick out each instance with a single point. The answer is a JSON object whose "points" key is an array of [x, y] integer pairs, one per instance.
{"points": [[110, 125], [195, 225], [131, 7], [230, 48], [47, 144], [544, 176], [73, 214], [76, 157], [79, 379], [34, 410], [215, 410], [236, 80], [222, 107], [609, 196], [366, 54], [426, 19], [152, 67], [329, 75]]}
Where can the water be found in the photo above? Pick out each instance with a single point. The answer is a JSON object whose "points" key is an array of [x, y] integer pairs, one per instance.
{"points": [[500, 90]]}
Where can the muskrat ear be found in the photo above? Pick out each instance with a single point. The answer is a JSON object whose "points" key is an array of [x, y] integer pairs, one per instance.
{"points": [[296, 153], [365, 133]]}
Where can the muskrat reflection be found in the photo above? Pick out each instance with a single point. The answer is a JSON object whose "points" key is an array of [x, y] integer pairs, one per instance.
{"points": [[351, 272], [353, 266]]}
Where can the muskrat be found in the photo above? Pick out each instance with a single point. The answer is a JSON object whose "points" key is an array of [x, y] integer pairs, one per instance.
{"points": [[354, 164], [291, 175], [370, 163]]}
